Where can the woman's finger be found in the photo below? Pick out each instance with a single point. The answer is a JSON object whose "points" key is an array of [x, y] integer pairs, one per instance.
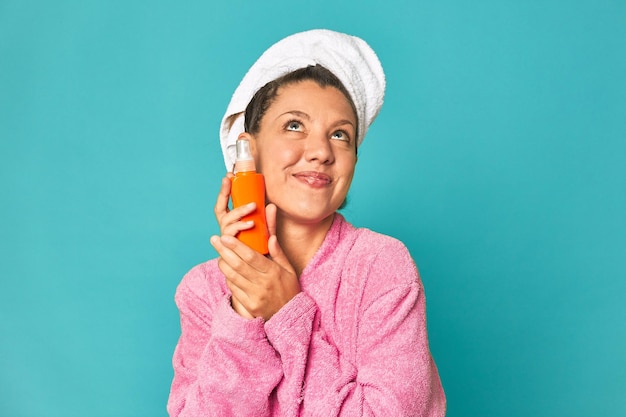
{"points": [[233, 278], [229, 248], [239, 296], [277, 254], [270, 218], [235, 302], [221, 204], [231, 224], [254, 261], [246, 292], [234, 228]]}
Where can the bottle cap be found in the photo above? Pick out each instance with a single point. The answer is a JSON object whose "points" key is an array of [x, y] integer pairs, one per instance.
{"points": [[244, 162]]}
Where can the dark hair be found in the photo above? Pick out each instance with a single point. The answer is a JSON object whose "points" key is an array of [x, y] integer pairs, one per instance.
{"points": [[265, 96]]}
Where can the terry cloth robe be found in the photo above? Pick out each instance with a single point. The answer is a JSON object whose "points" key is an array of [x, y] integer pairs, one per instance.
{"points": [[352, 343]]}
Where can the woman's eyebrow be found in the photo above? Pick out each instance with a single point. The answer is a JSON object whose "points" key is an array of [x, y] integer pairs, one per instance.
{"points": [[306, 116], [296, 113], [343, 122]]}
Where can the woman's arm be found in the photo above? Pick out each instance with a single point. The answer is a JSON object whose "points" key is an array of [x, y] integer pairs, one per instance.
{"points": [[391, 372], [223, 363]]}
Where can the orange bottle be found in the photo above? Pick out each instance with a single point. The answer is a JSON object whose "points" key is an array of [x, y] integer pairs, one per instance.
{"points": [[248, 186]]}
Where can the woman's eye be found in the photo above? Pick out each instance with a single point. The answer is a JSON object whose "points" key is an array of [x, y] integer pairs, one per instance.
{"points": [[294, 125], [341, 135]]}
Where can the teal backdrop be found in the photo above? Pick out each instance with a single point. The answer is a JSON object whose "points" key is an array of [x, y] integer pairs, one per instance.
{"points": [[498, 158]]}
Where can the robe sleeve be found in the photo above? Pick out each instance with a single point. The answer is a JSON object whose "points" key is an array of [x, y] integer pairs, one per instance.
{"points": [[392, 372], [223, 363]]}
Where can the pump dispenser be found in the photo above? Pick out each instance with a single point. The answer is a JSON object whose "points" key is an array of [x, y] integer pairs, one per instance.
{"points": [[249, 186]]}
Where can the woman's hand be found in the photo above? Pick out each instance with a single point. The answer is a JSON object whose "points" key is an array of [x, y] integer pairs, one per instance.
{"points": [[230, 224], [260, 285], [230, 220]]}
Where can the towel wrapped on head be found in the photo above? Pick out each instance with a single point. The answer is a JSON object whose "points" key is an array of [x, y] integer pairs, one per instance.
{"points": [[349, 58]]}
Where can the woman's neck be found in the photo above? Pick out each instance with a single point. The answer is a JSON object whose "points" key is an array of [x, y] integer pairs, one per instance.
{"points": [[300, 241]]}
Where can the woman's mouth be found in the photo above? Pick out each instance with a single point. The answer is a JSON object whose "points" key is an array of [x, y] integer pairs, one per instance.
{"points": [[313, 178]]}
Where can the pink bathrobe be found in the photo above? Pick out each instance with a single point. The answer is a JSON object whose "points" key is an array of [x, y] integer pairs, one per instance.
{"points": [[352, 343]]}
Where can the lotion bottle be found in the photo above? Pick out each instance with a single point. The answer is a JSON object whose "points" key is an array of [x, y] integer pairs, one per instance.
{"points": [[249, 186]]}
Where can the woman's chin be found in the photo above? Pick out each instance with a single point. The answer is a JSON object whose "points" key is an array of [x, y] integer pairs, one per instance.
{"points": [[307, 215]]}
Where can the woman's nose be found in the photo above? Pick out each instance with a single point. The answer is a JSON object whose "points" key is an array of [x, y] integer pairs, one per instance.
{"points": [[318, 148]]}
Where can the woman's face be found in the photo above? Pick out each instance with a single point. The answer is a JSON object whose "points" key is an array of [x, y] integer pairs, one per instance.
{"points": [[306, 149]]}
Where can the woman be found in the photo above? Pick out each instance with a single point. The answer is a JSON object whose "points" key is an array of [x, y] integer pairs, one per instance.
{"points": [[332, 322]]}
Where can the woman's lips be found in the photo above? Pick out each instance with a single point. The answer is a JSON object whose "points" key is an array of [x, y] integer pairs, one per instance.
{"points": [[313, 178]]}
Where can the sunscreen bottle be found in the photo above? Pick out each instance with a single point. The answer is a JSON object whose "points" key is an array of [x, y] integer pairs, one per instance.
{"points": [[249, 186]]}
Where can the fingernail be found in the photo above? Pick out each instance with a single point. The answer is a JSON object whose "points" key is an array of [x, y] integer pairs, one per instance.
{"points": [[214, 240]]}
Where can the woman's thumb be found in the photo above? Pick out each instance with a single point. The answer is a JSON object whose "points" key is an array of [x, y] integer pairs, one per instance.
{"points": [[277, 254]]}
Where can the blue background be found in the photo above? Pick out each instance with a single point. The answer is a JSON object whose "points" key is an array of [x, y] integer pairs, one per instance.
{"points": [[498, 159]]}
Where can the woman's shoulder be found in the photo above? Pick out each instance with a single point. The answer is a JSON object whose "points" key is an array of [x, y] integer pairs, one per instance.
{"points": [[204, 281], [378, 266], [370, 241], [381, 254], [377, 242]]}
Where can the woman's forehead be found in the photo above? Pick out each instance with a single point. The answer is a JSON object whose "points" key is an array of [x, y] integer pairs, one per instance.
{"points": [[309, 94]]}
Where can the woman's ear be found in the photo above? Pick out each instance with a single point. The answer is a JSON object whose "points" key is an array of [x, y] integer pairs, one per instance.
{"points": [[245, 136]]}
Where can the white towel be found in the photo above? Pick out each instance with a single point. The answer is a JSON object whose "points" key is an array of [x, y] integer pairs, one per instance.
{"points": [[348, 57]]}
